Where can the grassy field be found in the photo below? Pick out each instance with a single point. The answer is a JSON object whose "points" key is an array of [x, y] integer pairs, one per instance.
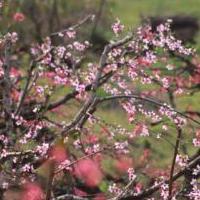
{"points": [[131, 11]]}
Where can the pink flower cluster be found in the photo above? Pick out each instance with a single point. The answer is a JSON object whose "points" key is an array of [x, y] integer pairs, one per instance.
{"points": [[117, 27]]}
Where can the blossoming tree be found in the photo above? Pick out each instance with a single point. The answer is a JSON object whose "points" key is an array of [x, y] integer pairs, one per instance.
{"points": [[55, 145]]}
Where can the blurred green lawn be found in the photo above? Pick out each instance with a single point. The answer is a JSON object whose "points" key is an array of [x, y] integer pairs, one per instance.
{"points": [[130, 11]]}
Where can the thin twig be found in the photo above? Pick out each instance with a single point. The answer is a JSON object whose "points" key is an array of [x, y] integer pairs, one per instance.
{"points": [[82, 158], [174, 162], [24, 92], [98, 16], [108, 98], [7, 86], [80, 23], [125, 191], [149, 191], [50, 181], [69, 196]]}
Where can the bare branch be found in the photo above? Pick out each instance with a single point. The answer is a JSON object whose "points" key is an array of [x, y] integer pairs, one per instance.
{"points": [[174, 162], [24, 92], [69, 196], [80, 23], [7, 101]]}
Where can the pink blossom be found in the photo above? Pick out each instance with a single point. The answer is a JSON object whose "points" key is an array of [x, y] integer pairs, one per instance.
{"points": [[141, 130], [79, 46], [117, 27], [114, 189], [89, 172], [123, 163], [18, 17], [196, 140], [70, 34], [182, 160], [32, 191], [58, 154], [131, 174]]}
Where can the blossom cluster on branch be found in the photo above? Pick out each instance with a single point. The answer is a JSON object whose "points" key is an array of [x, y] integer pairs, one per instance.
{"points": [[55, 145]]}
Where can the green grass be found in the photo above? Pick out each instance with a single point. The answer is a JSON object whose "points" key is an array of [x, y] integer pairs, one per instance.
{"points": [[131, 11]]}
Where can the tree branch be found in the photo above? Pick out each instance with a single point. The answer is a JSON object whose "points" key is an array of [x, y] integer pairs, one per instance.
{"points": [[150, 100], [147, 192]]}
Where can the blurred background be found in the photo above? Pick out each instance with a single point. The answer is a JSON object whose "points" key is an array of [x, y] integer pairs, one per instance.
{"points": [[46, 16]]}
